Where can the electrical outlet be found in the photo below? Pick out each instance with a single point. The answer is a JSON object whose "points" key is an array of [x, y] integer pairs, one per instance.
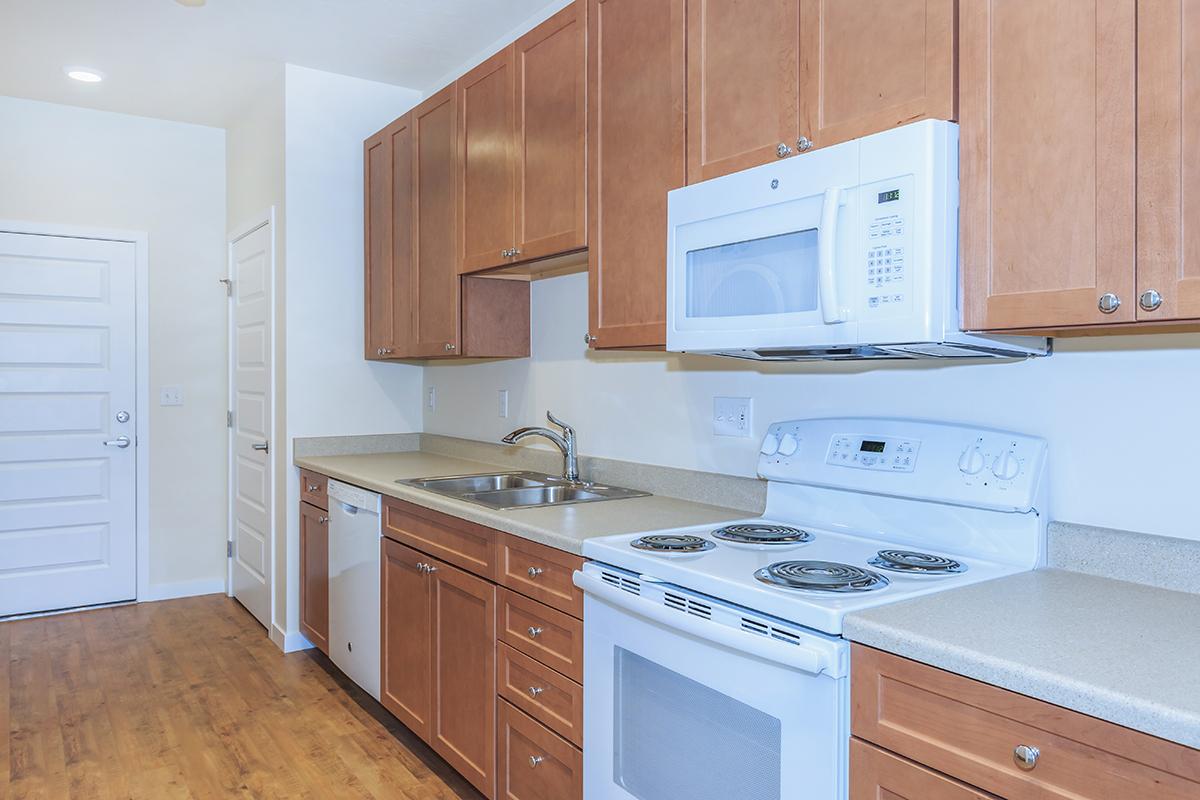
{"points": [[432, 399], [503, 403], [170, 396], [732, 416]]}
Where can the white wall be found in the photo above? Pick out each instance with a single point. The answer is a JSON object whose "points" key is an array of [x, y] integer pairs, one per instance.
{"points": [[1122, 414], [75, 166], [331, 389]]}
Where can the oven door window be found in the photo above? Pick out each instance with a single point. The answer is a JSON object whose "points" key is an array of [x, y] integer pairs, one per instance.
{"points": [[674, 737], [768, 276]]}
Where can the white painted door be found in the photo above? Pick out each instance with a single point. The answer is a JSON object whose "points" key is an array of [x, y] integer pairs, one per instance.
{"points": [[250, 343], [67, 445]]}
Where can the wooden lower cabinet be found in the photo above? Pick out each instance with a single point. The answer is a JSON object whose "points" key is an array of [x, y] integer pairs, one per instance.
{"points": [[406, 631], [533, 762], [876, 774], [314, 575]]}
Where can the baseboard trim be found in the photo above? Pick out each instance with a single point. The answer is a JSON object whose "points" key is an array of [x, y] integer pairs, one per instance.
{"points": [[289, 642], [173, 591]]}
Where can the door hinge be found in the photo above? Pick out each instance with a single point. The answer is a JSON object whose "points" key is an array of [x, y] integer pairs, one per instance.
{"points": [[228, 419], [229, 548], [228, 286]]}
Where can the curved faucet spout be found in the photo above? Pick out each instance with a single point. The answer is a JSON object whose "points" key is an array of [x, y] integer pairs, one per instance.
{"points": [[564, 442]]}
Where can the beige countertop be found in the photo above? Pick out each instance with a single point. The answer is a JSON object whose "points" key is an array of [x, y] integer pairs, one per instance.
{"points": [[1124, 652], [564, 527]]}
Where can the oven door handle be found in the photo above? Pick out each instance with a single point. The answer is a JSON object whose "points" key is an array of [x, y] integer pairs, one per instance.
{"points": [[831, 306], [815, 658]]}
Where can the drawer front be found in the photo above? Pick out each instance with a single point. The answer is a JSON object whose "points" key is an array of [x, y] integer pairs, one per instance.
{"points": [[547, 635], [971, 731], [533, 762], [542, 573], [464, 544], [876, 774], [550, 698], [314, 489]]}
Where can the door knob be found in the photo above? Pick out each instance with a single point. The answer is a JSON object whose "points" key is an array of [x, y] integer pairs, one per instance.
{"points": [[121, 442], [1150, 300], [263, 446], [1109, 302]]}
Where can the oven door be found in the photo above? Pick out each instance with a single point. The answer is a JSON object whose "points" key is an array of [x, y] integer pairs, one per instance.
{"points": [[677, 705]]}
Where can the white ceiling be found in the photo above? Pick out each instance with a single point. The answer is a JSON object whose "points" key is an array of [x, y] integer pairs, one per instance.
{"points": [[201, 65]]}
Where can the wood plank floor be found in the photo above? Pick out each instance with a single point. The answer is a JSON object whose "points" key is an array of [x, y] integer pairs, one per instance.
{"points": [[189, 699]]}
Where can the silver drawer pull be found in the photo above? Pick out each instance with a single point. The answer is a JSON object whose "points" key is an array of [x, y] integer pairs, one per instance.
{"points": [[535, 760], [312, 487], [533, 632], [534, 691], [322, 520], [535, 571], [1026, 756]]}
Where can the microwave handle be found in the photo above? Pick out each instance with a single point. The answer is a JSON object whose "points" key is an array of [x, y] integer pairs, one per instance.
{"points": [[831, 307]]}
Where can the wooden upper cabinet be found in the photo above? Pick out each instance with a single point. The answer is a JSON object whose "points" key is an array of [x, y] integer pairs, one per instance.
{"points": [[1168, 159], [435, 225], [314, 576], [377, 239], [743, 83], [637, 141], [551, 125], [868, 66], [487, 149], [1047, 147], [400, 135], [406, 637]]}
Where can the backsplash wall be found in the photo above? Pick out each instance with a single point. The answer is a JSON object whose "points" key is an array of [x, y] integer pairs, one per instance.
{"points": [[1121, 414]]}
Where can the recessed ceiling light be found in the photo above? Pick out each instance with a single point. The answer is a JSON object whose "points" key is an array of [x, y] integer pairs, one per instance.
{"points": [[84, 74], [191, 3]]}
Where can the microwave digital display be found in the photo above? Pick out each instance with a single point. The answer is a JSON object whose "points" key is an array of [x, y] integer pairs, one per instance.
{"points": [[872, 447], [889, 196]]}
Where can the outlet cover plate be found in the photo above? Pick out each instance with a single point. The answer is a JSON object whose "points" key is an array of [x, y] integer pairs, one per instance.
{"points": [[733, 416]]}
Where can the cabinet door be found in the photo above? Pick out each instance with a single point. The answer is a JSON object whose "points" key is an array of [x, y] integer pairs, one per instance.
{"points": [[876, 774], [406, 634], [1168, 258], [637, 142], [485, 120], [435, 225], [869, 66], [400, 134], [743, 67], [377, 240], [314, 576], [1047, 108], [464, 673], [551, 118]]}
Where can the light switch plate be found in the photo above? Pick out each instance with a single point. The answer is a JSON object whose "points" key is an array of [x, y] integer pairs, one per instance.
{"points": [[503, 403], [170, 396], [432, 398], [732, 416]]}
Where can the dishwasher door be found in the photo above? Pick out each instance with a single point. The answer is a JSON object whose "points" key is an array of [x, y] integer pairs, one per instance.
{"points": [[354, 584]]}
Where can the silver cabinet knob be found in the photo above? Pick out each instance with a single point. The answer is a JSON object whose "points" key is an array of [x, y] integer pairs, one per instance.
{"points": [[1026, 756], [804, 143], [535, 571], [430, 569], [534, 691], [533, 632], [322, 520], [312, 487], [505, 253], [535, 760], [1109, 302], [516, 251], [385, 351], [783, 150], [588, 338], [450, 347], [1150, 300], [378, 351]]}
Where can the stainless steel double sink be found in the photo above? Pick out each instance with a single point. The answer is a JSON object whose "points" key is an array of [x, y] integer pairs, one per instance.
{"points": [[510, 490]]}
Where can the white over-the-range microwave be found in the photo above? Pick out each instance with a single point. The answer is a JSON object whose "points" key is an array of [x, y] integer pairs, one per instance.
{"points": [[848, 252]]}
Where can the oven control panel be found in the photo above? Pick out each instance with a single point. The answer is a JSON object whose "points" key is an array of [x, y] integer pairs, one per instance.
{"points": [[873, 452]]}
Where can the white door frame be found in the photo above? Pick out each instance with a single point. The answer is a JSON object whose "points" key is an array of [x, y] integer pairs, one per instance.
{"points": [[265, 218], [141, 279]]}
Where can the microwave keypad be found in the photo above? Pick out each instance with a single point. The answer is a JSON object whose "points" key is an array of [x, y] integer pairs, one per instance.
{"points": [[886, 261]]}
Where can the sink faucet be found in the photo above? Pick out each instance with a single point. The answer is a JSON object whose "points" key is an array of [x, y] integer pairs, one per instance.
{"points": [[565, 442]]}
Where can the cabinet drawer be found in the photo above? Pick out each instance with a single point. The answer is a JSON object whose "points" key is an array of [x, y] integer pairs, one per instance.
{"points": [[542, 573], [550, 636], [876, 774], [314, 489], [534, 763], [539, 691], [458, 542], [970, 730]]}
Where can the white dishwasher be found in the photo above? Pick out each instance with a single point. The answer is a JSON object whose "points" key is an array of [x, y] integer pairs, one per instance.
{"points": [[354, 584]]}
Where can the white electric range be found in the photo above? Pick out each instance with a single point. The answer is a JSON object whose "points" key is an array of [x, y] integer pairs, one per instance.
{"points": [[712, 657]]}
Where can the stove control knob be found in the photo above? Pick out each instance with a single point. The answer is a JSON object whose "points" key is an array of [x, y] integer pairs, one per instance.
{"points": [[788, 445], [770, 445], [1006, 467], [971, 461]]}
